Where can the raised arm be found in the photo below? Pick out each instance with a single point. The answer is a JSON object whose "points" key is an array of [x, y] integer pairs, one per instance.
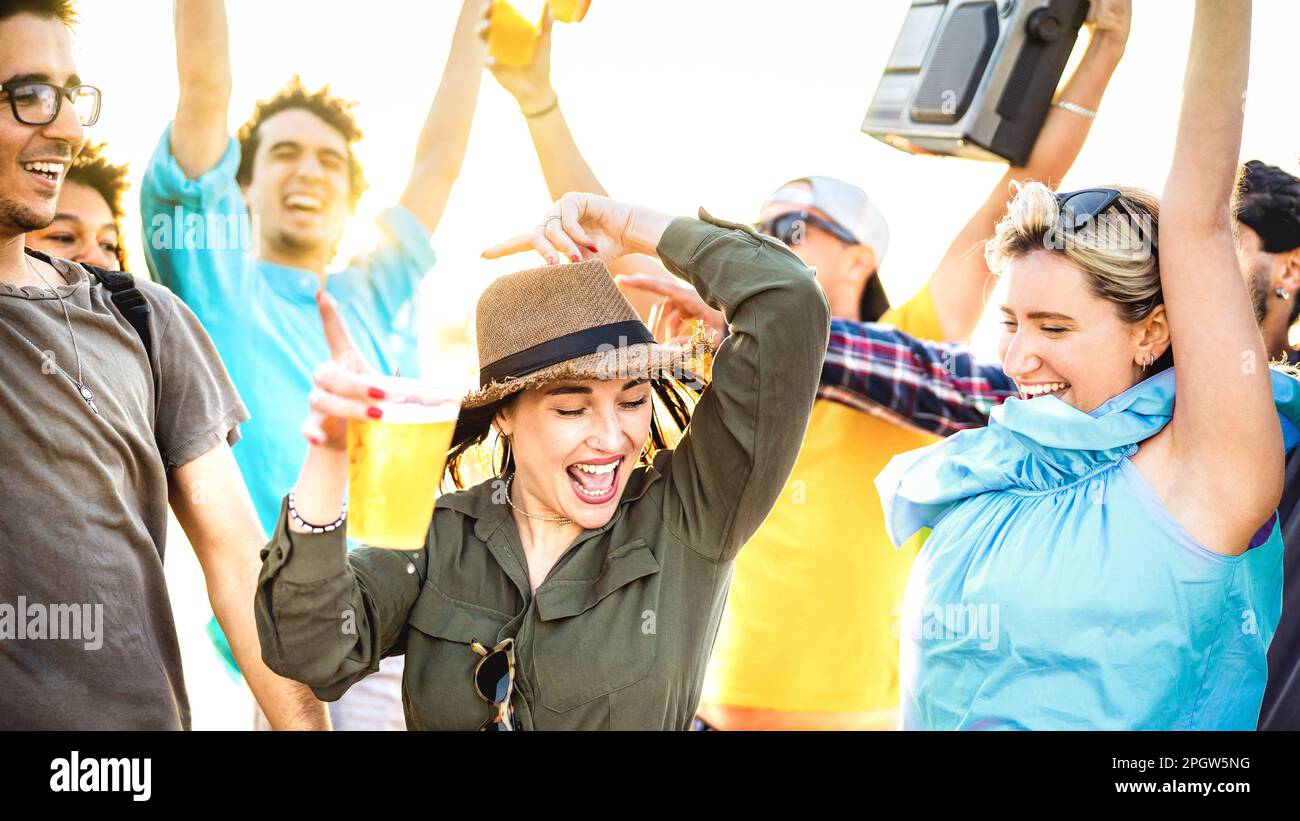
{"points": [[939, 387], [732, 463], [957, 286], [562, 163], [441, 148], [1226, 439], [199, 133], [325, 616]]}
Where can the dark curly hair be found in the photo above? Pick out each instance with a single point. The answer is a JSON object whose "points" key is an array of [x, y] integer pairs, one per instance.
{"points": [[92, 169], [333, 110], [60, 10], [1268, 200]]}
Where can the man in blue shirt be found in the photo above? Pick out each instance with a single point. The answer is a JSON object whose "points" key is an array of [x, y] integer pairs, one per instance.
{"points": [[243, 230]]}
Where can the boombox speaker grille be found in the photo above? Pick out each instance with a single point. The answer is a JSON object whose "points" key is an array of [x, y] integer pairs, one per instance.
{"points": [[953, 73]]}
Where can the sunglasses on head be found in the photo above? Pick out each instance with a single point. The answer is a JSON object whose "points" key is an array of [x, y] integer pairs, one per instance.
{"points": [[494, 681], [791, 227], [1079, 209]]}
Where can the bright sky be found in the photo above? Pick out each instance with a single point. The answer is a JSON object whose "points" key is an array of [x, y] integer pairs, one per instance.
{"points": [[675, 103]]}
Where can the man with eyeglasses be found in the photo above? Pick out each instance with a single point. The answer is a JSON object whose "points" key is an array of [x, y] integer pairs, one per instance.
{"points": [[280, 193], [103, 425]]}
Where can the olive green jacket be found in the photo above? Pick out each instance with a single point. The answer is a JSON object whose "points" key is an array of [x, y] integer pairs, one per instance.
{"points": [[619, 633]]}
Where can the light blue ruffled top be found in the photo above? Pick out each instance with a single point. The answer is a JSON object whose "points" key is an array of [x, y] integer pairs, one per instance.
{"points": [[1055, 591]]}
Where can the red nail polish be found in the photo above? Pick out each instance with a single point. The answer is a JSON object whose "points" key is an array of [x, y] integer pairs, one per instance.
{"points": [[593, 249], [573, 257], [550, 260], [376, 393], [375, 413]]}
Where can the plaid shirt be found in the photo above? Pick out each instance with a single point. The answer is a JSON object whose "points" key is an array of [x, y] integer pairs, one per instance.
{"points": [[937, 387]]}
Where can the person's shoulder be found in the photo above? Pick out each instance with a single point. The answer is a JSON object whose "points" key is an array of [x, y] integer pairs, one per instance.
{"points": [[157, 293], [163, 303], [473, 502]]}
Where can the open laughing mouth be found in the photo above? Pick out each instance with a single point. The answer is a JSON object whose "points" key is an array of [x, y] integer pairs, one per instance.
{"points": [[595, 482], [303, 204], [1029, 391], [49, 172]]}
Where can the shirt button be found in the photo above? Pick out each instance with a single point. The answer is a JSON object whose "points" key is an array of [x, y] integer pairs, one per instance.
{"points": [[410, 568], [279, 553]]}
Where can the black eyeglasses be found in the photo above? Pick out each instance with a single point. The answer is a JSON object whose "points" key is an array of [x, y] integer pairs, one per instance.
{"points": [[1079, 209], [494, 681], [791, 227], [40, 103]]}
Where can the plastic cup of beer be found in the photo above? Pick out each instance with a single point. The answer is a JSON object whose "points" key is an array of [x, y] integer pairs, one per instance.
{"points": [[395, 465], [569, 11], [515, 28]]}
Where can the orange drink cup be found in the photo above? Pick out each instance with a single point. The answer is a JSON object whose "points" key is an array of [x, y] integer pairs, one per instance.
{"points": [[395, 465], [516, 26], [570, 11]]}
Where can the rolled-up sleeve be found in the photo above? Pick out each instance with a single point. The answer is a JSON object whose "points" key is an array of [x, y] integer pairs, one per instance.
{"points": [[198, 233], [326, 616], [745, 433], [196, 404]]}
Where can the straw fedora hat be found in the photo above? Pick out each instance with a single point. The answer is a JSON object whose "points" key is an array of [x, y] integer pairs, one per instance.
{"points": [[567, 322]]}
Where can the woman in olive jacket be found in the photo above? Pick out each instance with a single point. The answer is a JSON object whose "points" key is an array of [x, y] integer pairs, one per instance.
{"points": [[566, 594]]}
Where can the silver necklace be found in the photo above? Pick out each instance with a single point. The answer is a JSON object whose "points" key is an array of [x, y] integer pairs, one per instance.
{"points": [[559, 520], [85, 392]]}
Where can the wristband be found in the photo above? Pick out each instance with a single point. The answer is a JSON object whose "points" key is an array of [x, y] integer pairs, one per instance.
{"points": [[311, 528], [1075, 108], [547, 110]]}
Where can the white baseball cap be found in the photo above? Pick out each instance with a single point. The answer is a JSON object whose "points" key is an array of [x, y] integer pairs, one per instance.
{"points": [[846, 204]]}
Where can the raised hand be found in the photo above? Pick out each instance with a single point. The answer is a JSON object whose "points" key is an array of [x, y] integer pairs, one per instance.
{"points": [[345, 387], [671, 318], [586, 226], [530, 85], [1110, 18]]}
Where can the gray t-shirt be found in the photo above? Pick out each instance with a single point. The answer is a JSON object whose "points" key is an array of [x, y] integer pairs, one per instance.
{"points": [[87, 639]]}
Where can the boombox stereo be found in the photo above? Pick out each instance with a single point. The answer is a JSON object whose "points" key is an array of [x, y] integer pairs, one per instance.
{"points": [[974, 78]]}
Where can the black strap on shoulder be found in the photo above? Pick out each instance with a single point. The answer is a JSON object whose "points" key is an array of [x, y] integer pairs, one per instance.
{"points": [[128, 299]]}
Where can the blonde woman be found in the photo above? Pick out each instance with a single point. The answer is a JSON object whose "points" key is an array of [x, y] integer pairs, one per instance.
{"points": [[1101, 556]]}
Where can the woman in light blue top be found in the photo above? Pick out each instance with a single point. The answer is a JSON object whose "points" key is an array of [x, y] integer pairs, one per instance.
{"points": [[1101, 556]]}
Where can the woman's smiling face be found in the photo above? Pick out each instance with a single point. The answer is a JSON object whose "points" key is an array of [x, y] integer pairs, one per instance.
{"points": [[1062, 339], [575, 444]]}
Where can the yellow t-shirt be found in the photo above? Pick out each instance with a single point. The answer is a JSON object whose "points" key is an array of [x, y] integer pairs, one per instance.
{"points": [[810, 624]]}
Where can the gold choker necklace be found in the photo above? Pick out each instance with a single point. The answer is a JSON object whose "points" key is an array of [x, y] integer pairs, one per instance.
{"points": [[559, 520]]}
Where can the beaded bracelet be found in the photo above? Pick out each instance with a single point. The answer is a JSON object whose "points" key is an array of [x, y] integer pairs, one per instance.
{"points": [[311, 528], [1075, 108]]}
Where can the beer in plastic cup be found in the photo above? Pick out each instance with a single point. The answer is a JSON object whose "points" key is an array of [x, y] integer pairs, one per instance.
{"points": [[395, 465], [515, 27], [569, 11]]}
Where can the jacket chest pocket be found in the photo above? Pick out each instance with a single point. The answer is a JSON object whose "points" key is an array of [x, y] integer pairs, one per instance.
{"points": [[439, 680], [596, 636]]}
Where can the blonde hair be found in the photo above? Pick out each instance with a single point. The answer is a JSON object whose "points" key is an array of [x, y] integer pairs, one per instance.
{"points": [[1116, 251]]}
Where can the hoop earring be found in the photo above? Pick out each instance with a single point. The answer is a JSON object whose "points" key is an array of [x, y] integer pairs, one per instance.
{"points": [[503, 447], [506, 455]]}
